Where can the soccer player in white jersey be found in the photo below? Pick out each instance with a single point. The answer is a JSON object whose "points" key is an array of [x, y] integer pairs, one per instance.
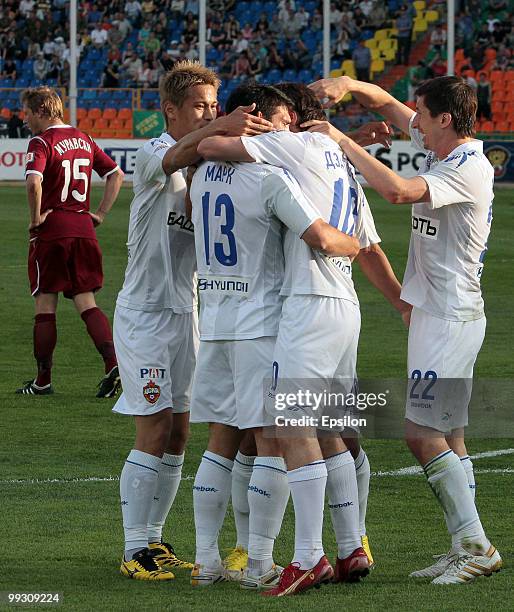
{"points": [[451, 219], [319, 298], [155, 321], [237, 212]]}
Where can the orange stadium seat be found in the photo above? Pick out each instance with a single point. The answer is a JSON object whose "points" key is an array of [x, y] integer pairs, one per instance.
{"points": [[487, 126], [497, 107], [501, 126], [509, 75], [110, 113], [102, 124], [94, 113], [117, 124], [123, 134], [490, 54], [85, 125], [81, 113], [6, 113], [459, 55], [496, 75], [125, 113]]}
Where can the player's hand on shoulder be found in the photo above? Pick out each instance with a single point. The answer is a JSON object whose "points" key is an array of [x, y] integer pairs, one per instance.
{"points": [[330, 91], [405, 313], [42, 219], [324, 127], [373, 132], [98, 218], [241, 123]]}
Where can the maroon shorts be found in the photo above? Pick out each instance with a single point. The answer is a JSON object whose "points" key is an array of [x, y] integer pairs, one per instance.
{"points": [[67, 265]]}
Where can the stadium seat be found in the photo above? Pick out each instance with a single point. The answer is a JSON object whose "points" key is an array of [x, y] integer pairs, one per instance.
{"points": [[371, 43], [102, 124], [431, 16], [125, 113], [419, 5], [85, 125], [381, 34], [81, 113], [501, 126], [117, 124], [376, 66], [375, 54], [487, 126], [5, 113], [419, 25], [388, 55], [94, 113], [110, 113]]}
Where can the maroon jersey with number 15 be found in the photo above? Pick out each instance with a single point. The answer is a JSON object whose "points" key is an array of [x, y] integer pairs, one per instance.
{"points": [[65, 158]]}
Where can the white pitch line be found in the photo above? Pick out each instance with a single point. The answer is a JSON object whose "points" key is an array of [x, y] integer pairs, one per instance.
{"points": [[412, 470]]}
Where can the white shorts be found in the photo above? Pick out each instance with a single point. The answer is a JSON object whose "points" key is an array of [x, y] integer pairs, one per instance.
{"points": [[440, 364], [316, 352], [228, 385], [156, 354]]}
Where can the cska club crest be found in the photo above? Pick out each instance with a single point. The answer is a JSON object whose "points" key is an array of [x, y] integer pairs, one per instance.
{"points": [[151, 392]]}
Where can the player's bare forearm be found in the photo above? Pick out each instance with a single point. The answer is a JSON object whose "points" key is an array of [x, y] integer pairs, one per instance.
{"points": [[224, 148], [34, 194], [376, 267], [330, 91], [321, 236], [373, 132], [238, 123], [112, 188]]}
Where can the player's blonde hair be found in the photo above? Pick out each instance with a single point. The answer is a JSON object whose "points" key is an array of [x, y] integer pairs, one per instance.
{"points": [[175, 84], [43, 101]]}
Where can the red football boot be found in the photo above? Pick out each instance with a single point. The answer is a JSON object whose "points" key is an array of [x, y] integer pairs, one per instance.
{"points": [[293, 580], [353, 568]]}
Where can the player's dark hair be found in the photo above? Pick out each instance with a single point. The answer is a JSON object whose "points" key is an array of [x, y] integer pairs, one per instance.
{"points": [[451, 94], [305, 103], [265, 97], [43, 101]]}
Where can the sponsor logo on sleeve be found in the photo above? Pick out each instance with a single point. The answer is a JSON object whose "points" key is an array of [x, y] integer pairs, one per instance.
{"points": [[499, 158], [29, 157], [151, 392]]}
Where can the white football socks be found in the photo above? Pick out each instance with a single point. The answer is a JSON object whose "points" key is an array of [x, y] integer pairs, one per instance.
{"points": [[268, 493], [363, 472], [211, 492], [467, 464], [241, 474], [343, 501], [168, 481], [137, 487], [447, 478], [308, 492]]}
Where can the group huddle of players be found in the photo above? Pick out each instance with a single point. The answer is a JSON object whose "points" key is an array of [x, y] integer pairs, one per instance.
{"points": [[278, 218]]}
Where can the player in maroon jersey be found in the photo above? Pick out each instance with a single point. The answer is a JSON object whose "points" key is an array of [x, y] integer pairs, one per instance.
{"points": [[64, 255]]}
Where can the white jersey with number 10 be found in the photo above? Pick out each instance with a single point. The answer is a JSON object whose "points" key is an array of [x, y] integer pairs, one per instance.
{"points": [[328, 182]]}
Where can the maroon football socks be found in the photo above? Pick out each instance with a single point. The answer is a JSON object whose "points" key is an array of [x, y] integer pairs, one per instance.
{"points": [[99, 329], [45, 338]]}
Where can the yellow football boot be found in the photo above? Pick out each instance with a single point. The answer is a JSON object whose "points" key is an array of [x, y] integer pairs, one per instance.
{"points": [[143, 566], [166, 558], [367, 550], [235, 563]]}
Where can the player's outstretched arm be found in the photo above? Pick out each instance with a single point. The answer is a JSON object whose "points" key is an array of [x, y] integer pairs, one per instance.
{"points": [[376, 267], [322, 237], [221, 148], [392, 187], [111, 190], [373, 132], [330, 91], [238, 123]]}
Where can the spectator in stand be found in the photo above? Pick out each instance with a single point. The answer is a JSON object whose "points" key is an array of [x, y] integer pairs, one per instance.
{"points": [[476, 57], [360, 19], [232, 28], [129, 50], [484, 36], [144, 75], [114, 55], [367, 7], [240, 44], [438, 38], [115, 37], [152, 44], [192, 6], [404, 27], [362, 59], [509, 40], [247, 30], [317, 20], [274, 58], [217, 35], [502, 60], [147, 8], [379, 17], [15, 125], [59, 47], [302, 18], [26, 7], [64, 75], [33, 49], [438, 66], [242, 67], [9, 70], [166, 62], [10, 46], [464, 29], [491, 20], [190, 52], [123, 24], [484, 93], [54, 68], [226, 65], [133, 12], [498, 35], [335, 14], [190, 32], [40, 67], [301, 55], [177, 9], [174, 50], [111, 76], [133, 66], [469, 79], [98, 36], [348, 24], [275, 27], [342, 45]]}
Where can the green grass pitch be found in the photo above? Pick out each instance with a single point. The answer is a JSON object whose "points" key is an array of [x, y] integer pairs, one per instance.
{"points": [[66, 536]]}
